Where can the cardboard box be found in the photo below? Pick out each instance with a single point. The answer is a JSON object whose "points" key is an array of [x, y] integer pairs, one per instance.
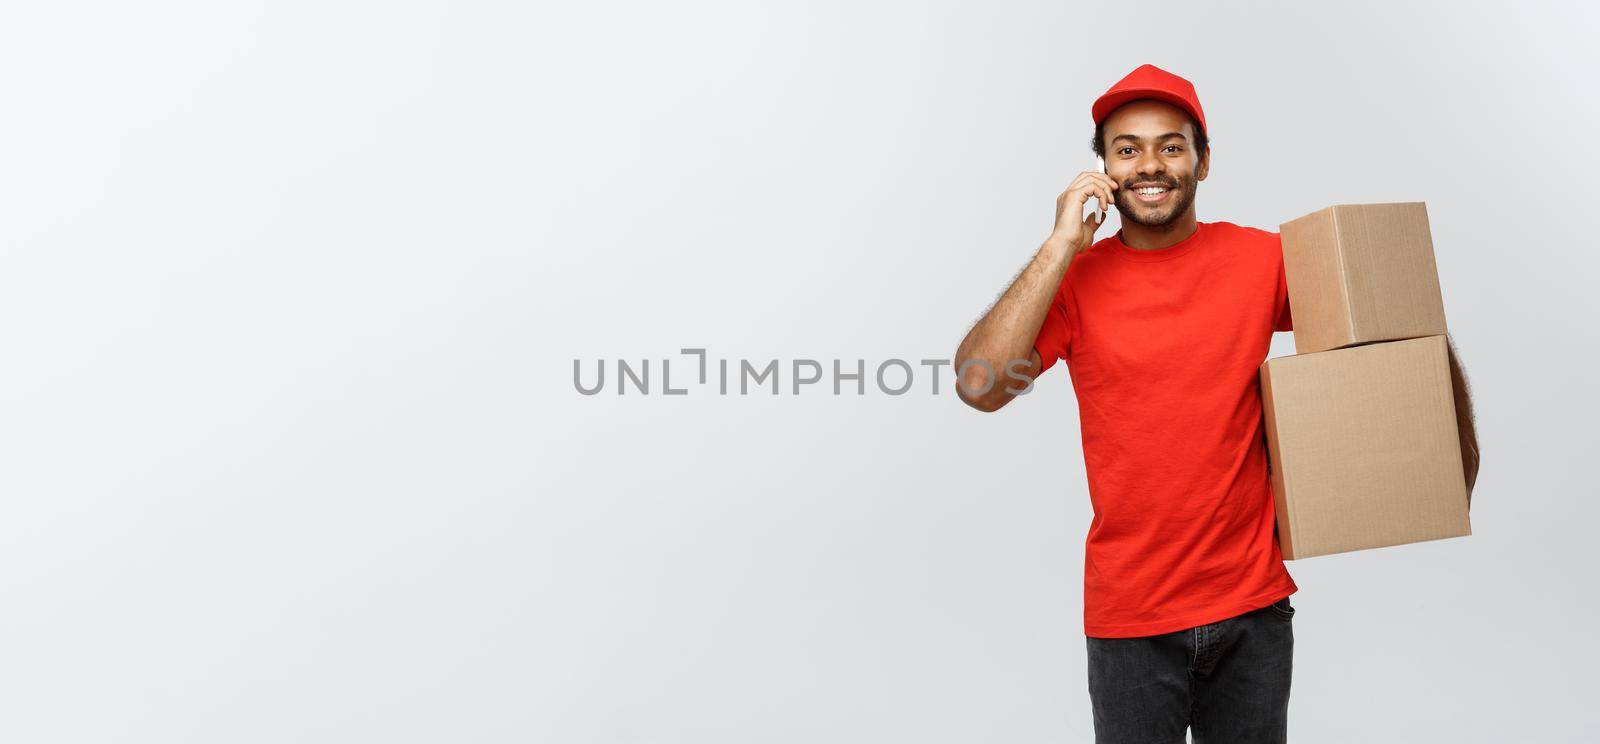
{"points": [[1363, 447], [1360, 273]]}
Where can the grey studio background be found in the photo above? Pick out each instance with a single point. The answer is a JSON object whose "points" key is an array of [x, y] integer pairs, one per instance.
{"points": [[292, 294]]}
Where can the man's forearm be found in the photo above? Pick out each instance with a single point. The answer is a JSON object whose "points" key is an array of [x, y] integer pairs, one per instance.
{"points": [[1466, 424], [1006, 333]]}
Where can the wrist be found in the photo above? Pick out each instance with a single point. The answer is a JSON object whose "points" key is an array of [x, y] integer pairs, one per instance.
{"points": [[1059, 246]]}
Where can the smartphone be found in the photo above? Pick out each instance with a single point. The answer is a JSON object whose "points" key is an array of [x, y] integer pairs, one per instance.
{"points": [[1099, 206]]}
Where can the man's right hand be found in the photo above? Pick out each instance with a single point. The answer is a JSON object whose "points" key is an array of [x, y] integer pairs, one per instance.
{"points": [[1073, 230], [1008, 331]]}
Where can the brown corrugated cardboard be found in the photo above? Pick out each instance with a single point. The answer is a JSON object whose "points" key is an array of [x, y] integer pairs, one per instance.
{"points": [[1360, 273], [1363, 447]]}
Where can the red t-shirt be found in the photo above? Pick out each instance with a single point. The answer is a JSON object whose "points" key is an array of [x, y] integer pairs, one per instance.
{"points": [[1163, 347]]}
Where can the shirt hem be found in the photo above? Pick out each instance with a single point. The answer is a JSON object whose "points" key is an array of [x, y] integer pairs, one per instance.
{"points": [[1186, 622]]}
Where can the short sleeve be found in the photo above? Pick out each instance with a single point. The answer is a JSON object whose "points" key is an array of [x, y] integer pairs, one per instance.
{"points": [[1284, 320], [1055, 335]]}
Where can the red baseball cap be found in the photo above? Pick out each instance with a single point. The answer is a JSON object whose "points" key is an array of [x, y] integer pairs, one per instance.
{"points": [[1149, 81]]}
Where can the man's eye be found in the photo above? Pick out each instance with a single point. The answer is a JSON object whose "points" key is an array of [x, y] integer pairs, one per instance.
{"points": [[1124, 150], [1174, 147]]}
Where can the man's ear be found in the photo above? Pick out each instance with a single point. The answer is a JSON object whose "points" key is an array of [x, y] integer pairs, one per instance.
{"points": [[1204, 167]]}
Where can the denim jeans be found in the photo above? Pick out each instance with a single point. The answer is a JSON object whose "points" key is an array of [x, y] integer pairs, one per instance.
{"points": [[1227, 681]]}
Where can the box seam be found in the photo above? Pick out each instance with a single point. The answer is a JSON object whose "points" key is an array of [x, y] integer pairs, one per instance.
{"points": [[1345, 298], [1279, 473]]}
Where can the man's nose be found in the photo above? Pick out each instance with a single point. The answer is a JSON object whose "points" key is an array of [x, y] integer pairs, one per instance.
{"points": [[1149, 165]]}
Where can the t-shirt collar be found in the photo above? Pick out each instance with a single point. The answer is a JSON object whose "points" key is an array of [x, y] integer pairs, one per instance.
{"points": [[1160, 254]]}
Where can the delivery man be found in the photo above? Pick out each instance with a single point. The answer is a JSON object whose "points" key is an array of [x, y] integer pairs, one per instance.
{"points": [[1163, 327]]}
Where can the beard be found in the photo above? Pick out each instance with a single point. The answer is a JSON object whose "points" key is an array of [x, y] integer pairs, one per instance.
{"points": [[1178, 202]]}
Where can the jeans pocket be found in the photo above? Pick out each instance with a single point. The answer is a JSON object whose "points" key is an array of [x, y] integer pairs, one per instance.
{"points": [[1282, 609]]}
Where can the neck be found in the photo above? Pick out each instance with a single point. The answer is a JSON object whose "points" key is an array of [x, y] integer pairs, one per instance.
{"points": [[1144, 238]]}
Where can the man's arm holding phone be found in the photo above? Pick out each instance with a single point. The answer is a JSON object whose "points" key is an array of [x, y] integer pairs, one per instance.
{"points": [[1006, 333]]}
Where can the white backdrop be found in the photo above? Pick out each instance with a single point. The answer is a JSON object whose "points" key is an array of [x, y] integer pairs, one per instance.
{"points": [[292, 294]]}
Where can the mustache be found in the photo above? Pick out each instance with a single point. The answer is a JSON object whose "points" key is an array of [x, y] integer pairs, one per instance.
{"points": [[1147, 181]]}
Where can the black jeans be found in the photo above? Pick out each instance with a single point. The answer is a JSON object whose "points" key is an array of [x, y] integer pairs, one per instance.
{"points": [[1228, 681]]}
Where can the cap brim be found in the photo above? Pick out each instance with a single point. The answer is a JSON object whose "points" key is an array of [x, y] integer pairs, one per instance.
{"points": [[1103, 107]]}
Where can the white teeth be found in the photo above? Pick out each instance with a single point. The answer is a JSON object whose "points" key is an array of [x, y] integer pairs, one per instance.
{"points": [[1151, 191]]}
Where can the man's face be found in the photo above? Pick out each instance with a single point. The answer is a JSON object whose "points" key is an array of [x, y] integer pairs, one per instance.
{"points": [[1151, 144]]}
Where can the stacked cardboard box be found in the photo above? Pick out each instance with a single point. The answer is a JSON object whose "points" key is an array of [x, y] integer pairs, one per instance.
{"points": [[1361, 422]]}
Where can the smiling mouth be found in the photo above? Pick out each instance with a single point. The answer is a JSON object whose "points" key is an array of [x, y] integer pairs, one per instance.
{"points": [[1151, 194]]}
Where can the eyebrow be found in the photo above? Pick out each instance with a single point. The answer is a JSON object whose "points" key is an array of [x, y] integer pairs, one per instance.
{"points": [[1168, 135]]}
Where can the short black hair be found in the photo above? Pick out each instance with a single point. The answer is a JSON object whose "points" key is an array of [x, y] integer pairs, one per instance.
{"points": [[1202, 143]]}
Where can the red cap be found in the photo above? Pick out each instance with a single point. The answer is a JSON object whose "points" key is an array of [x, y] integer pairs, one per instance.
{"points": [[1150, 81]]}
